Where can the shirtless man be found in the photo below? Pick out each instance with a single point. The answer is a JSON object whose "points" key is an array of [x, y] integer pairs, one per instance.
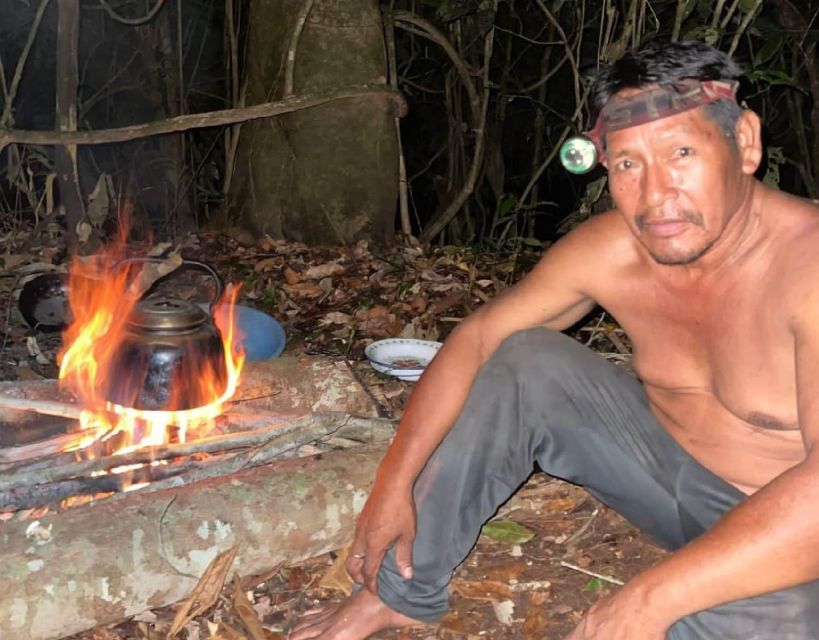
{"points": [[715, 278]]}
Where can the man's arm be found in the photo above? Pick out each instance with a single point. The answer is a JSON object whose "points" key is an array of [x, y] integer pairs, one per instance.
{"points": [[553, 294], [767, 543]]}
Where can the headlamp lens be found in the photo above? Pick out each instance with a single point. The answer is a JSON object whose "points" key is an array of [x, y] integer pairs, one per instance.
{"points": [[578, 155]]}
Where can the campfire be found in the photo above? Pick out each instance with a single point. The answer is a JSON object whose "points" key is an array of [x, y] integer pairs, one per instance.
{"points": [[152, 395]]}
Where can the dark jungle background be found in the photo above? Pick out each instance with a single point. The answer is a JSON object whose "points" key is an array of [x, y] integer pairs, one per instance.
{"points": [[492, 87]]}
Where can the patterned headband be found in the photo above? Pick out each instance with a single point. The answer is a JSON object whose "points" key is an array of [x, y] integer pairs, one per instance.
{"points": [[658, 102]]}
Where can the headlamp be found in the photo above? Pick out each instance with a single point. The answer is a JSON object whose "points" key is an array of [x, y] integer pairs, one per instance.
{"points": [[578, 155]]}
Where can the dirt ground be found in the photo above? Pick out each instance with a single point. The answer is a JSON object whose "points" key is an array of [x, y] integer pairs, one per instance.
{"points": [[550, 553]]}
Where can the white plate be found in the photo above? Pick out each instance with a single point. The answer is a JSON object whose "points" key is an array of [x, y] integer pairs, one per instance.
{"points": [[404, 358]]}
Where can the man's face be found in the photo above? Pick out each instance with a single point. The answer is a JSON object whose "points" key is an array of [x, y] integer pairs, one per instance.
{"points": [[677, 181]]}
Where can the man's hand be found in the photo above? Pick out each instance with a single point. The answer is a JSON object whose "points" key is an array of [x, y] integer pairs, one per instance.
{"points": [[387, 520], [625, 615]]}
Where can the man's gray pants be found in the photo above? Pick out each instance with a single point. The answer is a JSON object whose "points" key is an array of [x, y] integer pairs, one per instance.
{"points": [[544, 398]]}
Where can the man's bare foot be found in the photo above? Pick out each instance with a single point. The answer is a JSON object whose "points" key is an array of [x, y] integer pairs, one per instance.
{"points": [[358, 617]]}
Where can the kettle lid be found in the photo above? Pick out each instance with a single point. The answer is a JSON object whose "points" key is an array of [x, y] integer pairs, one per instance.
{"points": [[161, 313]]}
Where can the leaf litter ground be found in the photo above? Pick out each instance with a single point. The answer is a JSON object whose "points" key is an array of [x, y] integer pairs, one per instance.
{"points": [[550, 552]]}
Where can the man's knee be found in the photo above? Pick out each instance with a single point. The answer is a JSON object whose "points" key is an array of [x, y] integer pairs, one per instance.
{"points": [[539, 352]]}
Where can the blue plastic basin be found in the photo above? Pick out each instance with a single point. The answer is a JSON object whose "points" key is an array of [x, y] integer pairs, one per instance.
{"points": [[260, 335]]}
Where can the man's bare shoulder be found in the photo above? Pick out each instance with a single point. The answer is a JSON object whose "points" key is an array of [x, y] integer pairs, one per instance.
{"points": [[590, 258], [604, 234], [794, 241], [796, 229]]}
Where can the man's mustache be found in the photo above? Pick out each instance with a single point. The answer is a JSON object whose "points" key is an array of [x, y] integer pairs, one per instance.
{"points": [[694, 217]]}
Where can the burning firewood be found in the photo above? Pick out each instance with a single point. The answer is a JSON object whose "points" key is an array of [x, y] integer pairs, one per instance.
{"points": [[43, 483]]}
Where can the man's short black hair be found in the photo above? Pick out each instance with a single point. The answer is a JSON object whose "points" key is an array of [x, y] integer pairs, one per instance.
{"points": [[666, 63]]}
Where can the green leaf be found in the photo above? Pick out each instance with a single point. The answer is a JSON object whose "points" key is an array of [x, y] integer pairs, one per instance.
{"points": [[508, 204], [769, 49], [704, 8], [593, 585], [772, 76], [703, 32], [507, 531], [746, 6]]}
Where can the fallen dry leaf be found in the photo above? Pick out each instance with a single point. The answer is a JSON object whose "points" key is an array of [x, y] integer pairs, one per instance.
{"points": [[536, 622], [205, 593], [224, 631], [337, 577], [150, 272], [263, 607], [320, 271], [506, 572], [267, 264], [482, 590], [558, 505], [267, 244], [13, 260], [335, 317], [304, 289], [291, 276], [245, 611]]}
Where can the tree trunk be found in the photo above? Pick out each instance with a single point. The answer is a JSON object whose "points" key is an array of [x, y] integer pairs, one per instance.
{"points": [[71, 571], [327, 175]]}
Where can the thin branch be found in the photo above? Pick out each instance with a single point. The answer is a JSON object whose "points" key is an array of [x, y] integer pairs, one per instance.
{"points": [[546, 76], [43, 407], [289, 70], [403, 195], [131, 21], [746, 21], [546, 162], [730, 14], [427, 30], [810, 26], [396, 103], [599, 576], [5, 119], [237, 97], [439, 223], [566, 44], [527, 39], [420, 87], [180, 60], [102, 93], [3, 86], [678, 18], [717, 14], [426, 167]]}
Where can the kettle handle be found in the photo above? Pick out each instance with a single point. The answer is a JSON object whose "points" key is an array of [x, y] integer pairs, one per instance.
{"points": [[204, 266]]}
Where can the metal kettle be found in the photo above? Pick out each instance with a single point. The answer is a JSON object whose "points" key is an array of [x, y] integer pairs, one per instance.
{"points": [[169, 346]]}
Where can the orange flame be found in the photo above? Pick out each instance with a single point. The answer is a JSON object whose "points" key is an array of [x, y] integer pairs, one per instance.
{"points": [[101, 300]]}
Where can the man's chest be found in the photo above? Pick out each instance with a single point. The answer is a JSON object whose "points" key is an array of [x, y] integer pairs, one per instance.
{"points": [[732, 344]]}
